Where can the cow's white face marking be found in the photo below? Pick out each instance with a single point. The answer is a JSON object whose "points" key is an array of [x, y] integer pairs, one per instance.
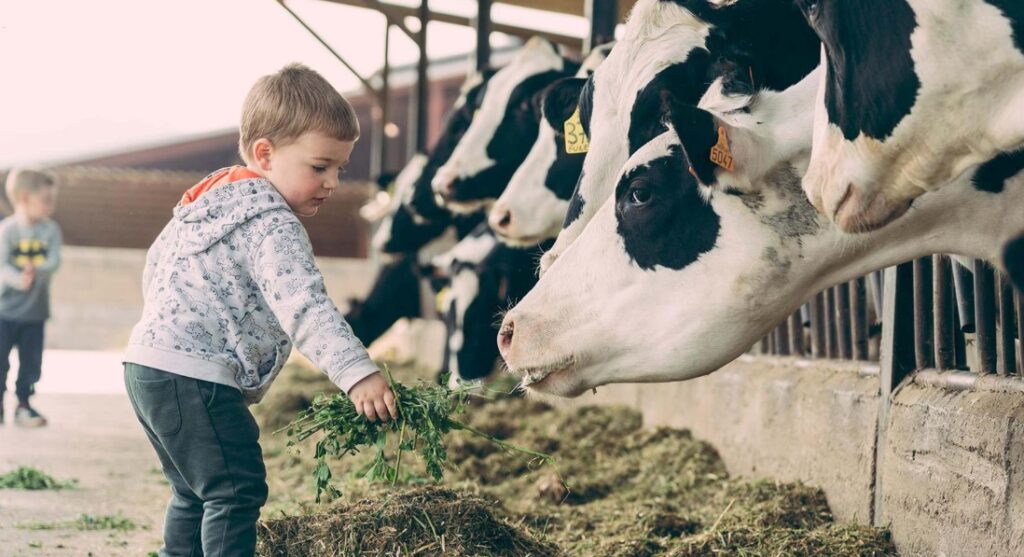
{"points": [[470, 156], [969, 106], [656, 35], [597, 317]]}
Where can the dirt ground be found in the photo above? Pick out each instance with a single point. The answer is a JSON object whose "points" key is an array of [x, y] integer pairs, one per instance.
{"points": [[96, 440]]}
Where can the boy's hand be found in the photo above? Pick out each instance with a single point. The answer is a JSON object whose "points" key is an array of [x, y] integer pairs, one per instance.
{"points": [[28, 275], [373, 398]]}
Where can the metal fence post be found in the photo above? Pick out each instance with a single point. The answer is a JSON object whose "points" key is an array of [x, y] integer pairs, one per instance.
{"points": [[897, 360]]}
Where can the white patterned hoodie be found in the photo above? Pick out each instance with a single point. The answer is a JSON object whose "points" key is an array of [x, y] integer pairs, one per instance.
{"points": [[230, 283]]}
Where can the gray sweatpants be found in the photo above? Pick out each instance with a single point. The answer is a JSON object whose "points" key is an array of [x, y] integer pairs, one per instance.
{"points": [[208, 444]]}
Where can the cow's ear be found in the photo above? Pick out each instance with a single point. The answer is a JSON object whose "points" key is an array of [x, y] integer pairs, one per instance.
{"points": [[560, 100], [699, 134]]}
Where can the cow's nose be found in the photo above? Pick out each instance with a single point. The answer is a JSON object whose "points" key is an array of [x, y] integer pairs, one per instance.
{"points": [[505, 336], [500, 219]]}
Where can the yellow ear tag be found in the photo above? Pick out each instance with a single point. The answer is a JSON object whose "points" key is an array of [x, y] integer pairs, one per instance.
{"points": [[441, 300], [576, 141], [720, 153]]}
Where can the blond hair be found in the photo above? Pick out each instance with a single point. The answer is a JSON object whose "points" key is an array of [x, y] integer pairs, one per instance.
{"points": [[27, 180], [295, 100]]}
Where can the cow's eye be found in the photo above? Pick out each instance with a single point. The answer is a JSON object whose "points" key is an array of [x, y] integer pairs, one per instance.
{"points": [[640, 195], [811, 8]]}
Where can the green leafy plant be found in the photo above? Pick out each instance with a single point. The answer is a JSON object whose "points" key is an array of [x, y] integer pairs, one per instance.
{"points": [[26, 477], [426, 414]]}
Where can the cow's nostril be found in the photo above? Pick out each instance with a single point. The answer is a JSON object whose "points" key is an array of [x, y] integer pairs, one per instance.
{"points": [[505, 220], [505, 337]]}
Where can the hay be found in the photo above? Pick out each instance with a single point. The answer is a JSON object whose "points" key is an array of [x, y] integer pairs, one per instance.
{"points": [[615, 490], [417, 521]]}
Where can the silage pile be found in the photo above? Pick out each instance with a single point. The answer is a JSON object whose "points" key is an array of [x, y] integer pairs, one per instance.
{"points": [[616, 489]]}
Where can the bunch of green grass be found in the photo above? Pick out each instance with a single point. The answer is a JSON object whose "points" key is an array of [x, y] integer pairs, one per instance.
{"points": [[26, 477], [426, 414]]}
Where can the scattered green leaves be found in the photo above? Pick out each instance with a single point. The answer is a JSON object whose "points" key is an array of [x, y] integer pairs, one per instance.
{"points": [[26, 477], [86, 522], [425, 416]]}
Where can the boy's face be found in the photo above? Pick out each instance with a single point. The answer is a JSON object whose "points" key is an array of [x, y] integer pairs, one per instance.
{"points": [[39, 205], [307, 171]]}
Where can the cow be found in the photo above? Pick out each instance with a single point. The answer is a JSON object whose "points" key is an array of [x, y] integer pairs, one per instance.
{"points": [[673, 278], [681, 46], [915, 93], [533, 205], [482, 278], [503, 127], [395, 294]]}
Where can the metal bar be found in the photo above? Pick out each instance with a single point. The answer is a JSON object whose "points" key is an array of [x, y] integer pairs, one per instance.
{"points": [[796, 334], [782, 339], [377, 6], [422, 82], [897, 361], [1019, 299], [817, 310], [943, 315], [763, 345], [1007, 360], [984, 316], [771, 342], [366, 83], [603, 15], [483, 34], [959, 343], [844, 328], [963, 284], [831, 338], [381, 115], [875, 282], [398, 12], [923, 350], [859, 317]]}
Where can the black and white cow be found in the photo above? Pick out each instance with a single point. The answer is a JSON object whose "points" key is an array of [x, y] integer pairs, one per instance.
{"points": [[503, 127], [680, 46], [395, 294], [915, 93], [673, 279], [483, 279], [533, 205]]}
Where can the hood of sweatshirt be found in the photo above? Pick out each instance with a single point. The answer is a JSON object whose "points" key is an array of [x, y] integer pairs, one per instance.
{"points": [[223, 201]]}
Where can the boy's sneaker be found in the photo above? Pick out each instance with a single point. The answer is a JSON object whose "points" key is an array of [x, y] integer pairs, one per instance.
{"points": [[26, 416]]}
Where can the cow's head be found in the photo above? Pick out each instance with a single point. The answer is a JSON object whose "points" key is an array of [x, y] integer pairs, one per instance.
{"points": [[673, 279], [914, 93], [482, 279], [681, 45], [532, 207], [503, 127], [422, 203], [400, 231]]}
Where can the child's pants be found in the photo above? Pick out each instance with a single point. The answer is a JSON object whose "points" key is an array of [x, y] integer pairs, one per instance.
{"points": [[208, 444], [28, 337]]}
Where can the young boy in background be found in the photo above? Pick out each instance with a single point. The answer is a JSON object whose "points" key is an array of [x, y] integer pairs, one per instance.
{"points": [[30, 254], [229, 285]]}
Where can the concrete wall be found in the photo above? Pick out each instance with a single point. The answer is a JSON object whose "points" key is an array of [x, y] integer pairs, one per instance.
{"points": [[97, 294], [951, 473]]}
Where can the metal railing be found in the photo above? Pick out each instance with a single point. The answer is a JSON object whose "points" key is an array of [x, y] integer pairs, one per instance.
{"points": [[959, 315]]}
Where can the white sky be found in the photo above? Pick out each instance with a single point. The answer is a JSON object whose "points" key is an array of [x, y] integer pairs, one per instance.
{"points": [[79, 78]]}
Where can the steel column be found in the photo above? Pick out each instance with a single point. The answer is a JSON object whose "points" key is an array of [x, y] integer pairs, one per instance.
{"points": [[603, 15]]}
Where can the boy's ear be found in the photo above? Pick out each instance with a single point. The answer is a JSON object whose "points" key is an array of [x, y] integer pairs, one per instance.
{"points": [[262, 150]]}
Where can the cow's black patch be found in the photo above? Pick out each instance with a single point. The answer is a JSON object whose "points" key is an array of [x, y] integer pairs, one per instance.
{"points": [[576, 203], [662, 218], [757, 44], [560, 100], [1013, 259], [992, 175], [587, 104], [407, 236], [686, 81], [871, 83], [395, 294]]}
